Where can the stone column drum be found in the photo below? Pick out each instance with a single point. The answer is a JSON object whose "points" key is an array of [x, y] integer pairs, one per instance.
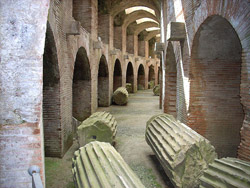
{"points": [[156, 90], [120, 96], [129, 87], [227, 172], [99, 165], [100, 126], [183, 153]]}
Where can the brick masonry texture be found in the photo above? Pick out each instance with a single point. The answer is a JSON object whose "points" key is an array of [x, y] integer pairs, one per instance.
{"points": [[37, 105], [40, 90], [212, 71]]}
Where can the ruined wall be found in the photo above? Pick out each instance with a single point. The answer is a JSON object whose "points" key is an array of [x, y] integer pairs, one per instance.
{"points": [[24, 113], [130, 44], [21, 51], [198, 86]]}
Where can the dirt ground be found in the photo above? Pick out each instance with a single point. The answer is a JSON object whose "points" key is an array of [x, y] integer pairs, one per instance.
{"points": [[130, 143]]}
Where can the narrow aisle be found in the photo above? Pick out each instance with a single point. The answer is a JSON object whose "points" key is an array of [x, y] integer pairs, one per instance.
{"points": [[130, 138]]}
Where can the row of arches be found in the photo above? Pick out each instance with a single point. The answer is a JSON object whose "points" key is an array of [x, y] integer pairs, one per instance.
{"points": [[215, 110], [81, 89]]}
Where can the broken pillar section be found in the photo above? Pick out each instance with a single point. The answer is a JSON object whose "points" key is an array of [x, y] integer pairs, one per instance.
{"points": [[100, 126], [129, 87], [99, 165], [151, 84], [120, 96], [156, 90], [183, 153], [227, 172]]}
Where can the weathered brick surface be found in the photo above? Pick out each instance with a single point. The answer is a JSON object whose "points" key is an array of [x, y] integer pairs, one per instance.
{"points": [[22, 33], [130, 75], [117, 77], [130, 44], [141, 84]]}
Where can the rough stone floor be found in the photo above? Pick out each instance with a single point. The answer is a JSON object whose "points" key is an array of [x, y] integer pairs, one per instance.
{"points": [[130, 143]]}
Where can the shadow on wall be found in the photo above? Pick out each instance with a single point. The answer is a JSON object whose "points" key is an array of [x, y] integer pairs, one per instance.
{"points": [[117, 77], [103, 83], [130, 75], [141, 78], [81, 86], [51, 98], [215, 108]]}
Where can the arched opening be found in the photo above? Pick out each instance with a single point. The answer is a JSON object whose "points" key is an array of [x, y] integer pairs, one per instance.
{"points": [[151, 77], [141, 78], [51, 98], [158, 75], [215, 108], [81, 86], [103, 83], [117, 77], [170, 82], [130, 75]]}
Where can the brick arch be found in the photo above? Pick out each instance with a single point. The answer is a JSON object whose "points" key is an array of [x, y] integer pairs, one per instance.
{"points": [[103, 83], [151, 76], [118, 7], [137, 15], [144, 25], [81, 86], [51, 97], [141, 81], [170, 82], [215, 70], [158, 74], [130, 75], [117, 75]]}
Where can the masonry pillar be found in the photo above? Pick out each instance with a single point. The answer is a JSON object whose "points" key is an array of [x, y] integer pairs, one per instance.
{"points": [[130, 44], [146, 49], [136, 45], [124, 39], [117, 37], [21, 68], [105, 29], [141, 48]]}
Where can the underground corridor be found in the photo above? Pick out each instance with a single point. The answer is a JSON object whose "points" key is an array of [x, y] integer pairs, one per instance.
{"points": [[124, 93], [129, 142]]}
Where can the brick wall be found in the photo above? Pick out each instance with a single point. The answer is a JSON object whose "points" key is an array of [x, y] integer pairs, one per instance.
{"points": [[130, 75], [141, 78], [86, 12], [21, 127], [205, 81], [117, 75], [141, 48], [170, 82], [21, 115], [130, 44], [117, 37], [103, 83], [81, 99], [104, 27], [51, 98], [215, 109], [82, 12]]}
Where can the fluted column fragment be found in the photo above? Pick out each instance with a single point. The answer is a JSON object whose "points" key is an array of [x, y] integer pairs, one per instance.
{"points": [[100, 126], [120, 96], [99, 165], [227, 172], [183, 153]]}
